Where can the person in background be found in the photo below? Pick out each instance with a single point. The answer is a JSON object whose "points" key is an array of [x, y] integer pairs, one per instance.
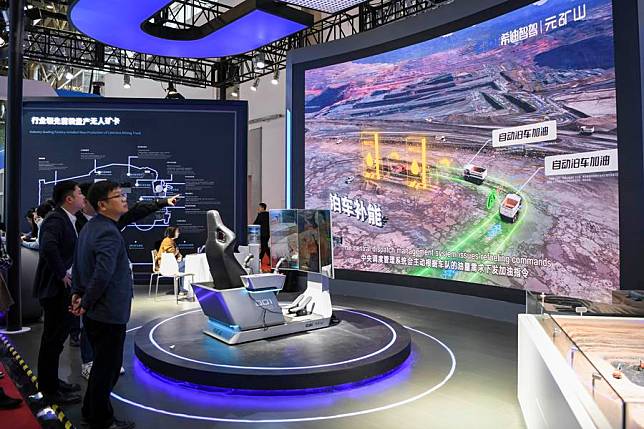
{"points": [[265, 235], [30, 239], [52, 288], [102, 293], [138, 211], [169, 245], [43, 210], [38, 218], [33, 233]]}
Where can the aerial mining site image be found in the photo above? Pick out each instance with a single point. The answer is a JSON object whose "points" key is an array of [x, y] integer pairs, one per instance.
{"points": [[487, 155]]}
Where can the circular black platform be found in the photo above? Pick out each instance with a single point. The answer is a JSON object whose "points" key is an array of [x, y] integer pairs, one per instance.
{"points": [[362, 346]]}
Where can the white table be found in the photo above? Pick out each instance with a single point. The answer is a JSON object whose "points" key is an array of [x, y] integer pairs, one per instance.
{"points": [[197, 264]]}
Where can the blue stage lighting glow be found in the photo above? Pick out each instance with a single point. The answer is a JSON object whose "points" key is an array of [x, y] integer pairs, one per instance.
{"points": [[246, 27], [139, 367], [311, 401]]}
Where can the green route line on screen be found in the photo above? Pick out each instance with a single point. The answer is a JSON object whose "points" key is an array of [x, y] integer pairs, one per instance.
{"points": [[501, 245], [481, 226]]}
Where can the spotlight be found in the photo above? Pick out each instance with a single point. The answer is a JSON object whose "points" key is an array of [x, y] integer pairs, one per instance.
{"points": [[255, 84], [235, 91], [50, 6], [260, 60], [173, 94], [126, 81], [276, 78], [69, 75]]}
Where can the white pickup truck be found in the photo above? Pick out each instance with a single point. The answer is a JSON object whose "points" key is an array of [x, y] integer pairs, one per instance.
{"points": [[510, 208], [586, 130], [474, 173]]}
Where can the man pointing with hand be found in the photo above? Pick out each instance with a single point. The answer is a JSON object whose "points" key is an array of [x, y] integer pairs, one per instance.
{"points": [[102, 294], [138, 211]]}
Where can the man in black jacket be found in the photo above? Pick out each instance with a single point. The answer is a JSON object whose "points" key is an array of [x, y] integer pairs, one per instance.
{"points": [[262, 221], [52, 288], [102, 292], [138, 211]]}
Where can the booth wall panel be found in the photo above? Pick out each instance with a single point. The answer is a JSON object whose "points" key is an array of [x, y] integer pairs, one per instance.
{"points": [[475, 306]]}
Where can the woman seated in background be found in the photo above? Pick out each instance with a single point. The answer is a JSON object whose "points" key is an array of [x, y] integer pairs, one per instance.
{"points": [[38, 216], [169, 245], [33, 234]]}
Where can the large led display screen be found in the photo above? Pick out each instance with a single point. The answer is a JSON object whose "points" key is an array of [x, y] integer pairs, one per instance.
{"points": [[487, 155], [155, 149]]}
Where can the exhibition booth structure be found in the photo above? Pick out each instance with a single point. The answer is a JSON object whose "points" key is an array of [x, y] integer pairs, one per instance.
{"points": [[488, 153], [480, 156], [489, 150], [155, 149], [138, 144]]}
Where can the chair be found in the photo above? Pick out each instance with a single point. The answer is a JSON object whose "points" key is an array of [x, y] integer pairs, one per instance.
{"points": [[154, 270], [170, 268], [220, 245]]}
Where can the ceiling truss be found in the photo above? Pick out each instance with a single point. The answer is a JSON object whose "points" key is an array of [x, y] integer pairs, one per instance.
{"points": [[51, 40], [366, 16]]}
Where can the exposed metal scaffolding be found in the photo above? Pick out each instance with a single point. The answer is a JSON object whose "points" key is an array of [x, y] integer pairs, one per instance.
{"points": [[64, 47], [366, 16], [51, 40], [187, 14]]}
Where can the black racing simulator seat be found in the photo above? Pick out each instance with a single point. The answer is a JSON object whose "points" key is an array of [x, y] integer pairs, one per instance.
{"points": [[224, 267], [242, 307]]}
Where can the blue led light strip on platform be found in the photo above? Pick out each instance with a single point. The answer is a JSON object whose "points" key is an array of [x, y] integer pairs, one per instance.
{"points": [[247, 26]]}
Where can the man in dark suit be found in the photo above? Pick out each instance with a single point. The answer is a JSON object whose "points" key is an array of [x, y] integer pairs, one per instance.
{"points": [[102, 293], [262, 221], [52, 288], [139, 210]]}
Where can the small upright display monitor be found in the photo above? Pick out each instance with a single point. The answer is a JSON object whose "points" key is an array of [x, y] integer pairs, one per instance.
{"points": [[284, 241], [302, 240]]}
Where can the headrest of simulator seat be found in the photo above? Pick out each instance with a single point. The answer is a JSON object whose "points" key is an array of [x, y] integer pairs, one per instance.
{"points": [[220, 245]]}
